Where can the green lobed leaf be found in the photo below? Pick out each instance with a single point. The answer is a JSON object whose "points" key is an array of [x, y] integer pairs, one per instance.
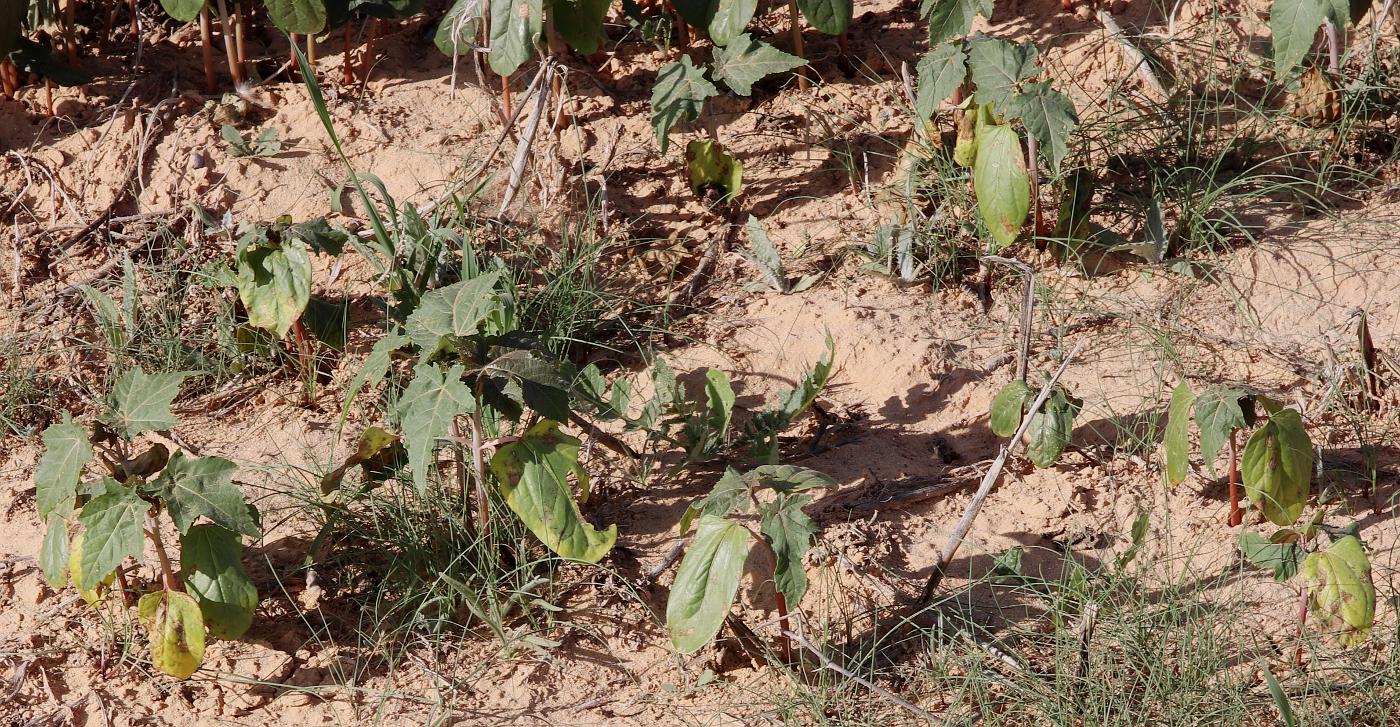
{"points": [[141, 401], [1050, 428], [274, 283], [745, 61], [1048, 116], [677, 95], [456, 311], [112, 530], [998, 66], [425, 412], [951, 18], [211, 565], [828, 16], [1220, 410], [1280, 559], [533, 473], [788, 478], [514, 26], [66, 452], [1276, 467], [730, 494], [296, 16], [53, 555], [580, 23], [456, 32], [1341, 593], [1175, 439], [1293, 26], [706, 582], [181, 10], [729, 20], [941, 71], [789, 532], [1000, 181], [176, 630], [1009, 406], [203, 486]]}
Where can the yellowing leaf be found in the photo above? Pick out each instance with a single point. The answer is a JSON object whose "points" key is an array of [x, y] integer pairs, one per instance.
{"points": [[1001, 183], [1340, 592], [533, 473], [176, 629], [1276, 467]]}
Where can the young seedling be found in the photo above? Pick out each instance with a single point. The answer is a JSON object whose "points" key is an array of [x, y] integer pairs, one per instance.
{"points": [[708, 577], [764, 255], [266, 145], [109, 519], [1277, 459]]}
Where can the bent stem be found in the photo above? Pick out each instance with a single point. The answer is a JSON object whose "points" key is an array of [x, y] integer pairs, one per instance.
{"points": [[1236, 514], [483, 503]]}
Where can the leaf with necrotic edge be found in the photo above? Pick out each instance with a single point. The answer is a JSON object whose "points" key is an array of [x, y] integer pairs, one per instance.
{"points": [[1001, 183], [1276, 467], [533, 473], [176, 630]]}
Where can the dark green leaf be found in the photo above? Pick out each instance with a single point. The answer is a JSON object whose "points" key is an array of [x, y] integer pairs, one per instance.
{"points": [[745, 61], [1050, 428], [677, 96], [951, 18], [789, 532], [112, 530], [1009, 406], [580, 23], [12, 14], [327, 321], [1280, 559], [730, 494], [533, 473], [706, 582], [211, 564], [828, 16], [1049, 117], [998, 66], [53, 555], [1219, 412], [182, 10], [375, 367], [425, 412], [296, 16], [456, 34], [204, 487], [514, 26], [456, 311], [788, 478]]}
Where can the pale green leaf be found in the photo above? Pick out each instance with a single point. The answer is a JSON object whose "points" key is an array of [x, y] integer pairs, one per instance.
{"points": [[66, 452], [53, 555], [677, 95], [274, 283], [730, 19], [456, 33], [376, 365], [141, 401], [1008, 406], [1341, 593], [456, 311], [730, 494], [1293, 25], [1220, 410], [1001, 183], [1280, 559], [1276, 467], [176, 630], [745, 61], [706, 582], [711, 167], [533, 473], [211, 565], [514, 26], [788, 478], [998, 66], [1178, 424], [425, 412]]}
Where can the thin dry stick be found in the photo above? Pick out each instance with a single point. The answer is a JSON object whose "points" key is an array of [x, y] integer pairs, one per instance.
{"points": [[830, 665], [522, 151], [1027, 310], [1135, 58], [989, 481]]}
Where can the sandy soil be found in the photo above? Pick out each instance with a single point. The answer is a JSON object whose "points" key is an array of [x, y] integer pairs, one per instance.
{"points": [[914, 377]]}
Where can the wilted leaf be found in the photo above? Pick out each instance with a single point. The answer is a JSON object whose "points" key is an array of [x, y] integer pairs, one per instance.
{"points": [[1276, 467], [677, 95], [706, 581], [745, 61], [1050, 428], [372, 442], [141, 402], [514, 26], [425, 412], [1340, 591], [1009, 406], [176, 629], [1001, 183], [1178, 424], [711, 167], [204, 487], [456, 33], [211, 564], [533, 473], [1280, 559], [788, 478], [66, 452]]}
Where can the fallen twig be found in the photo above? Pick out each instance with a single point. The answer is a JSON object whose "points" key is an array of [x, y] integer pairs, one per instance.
{"points": [[1136, 59]]}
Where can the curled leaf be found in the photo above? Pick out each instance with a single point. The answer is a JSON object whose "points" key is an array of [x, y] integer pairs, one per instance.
{"points": [[1340, 592], [176, 629]]}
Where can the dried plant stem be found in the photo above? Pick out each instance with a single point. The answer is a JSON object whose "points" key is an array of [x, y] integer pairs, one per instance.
{"points": [[230, 51], [1134, 57], [522, 151]]}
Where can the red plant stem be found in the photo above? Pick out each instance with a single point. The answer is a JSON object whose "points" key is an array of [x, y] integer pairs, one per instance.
{"points": [[367, 59], [226, 31], [304, 354], [483, 502], [795, 27], [1032, 151], [238, 27], [122, 584], [135, 26], [1302, 619], [1236, 514], [48, 96], [206, 37], [69, 38], [6, 81], [786, 643], [842, 44]]}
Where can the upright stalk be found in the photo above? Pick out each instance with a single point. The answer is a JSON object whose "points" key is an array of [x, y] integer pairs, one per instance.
{"points": [[167, 574], [347, 75], [483, 502], [226, 30], [69, 38], [311, 50], [1032, 150], [1236, 514], [239, 23], [795, 27], [206, 38], [1334, 46], [135, 25], [367, 60]]}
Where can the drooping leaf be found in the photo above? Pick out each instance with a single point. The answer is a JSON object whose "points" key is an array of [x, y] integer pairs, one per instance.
{"points": [[951, 18], [66, 452], [745, 61], [828, 16], [456, 33], [274, 282], [456, 311], [425, 412], [1178, 425], [327, 320], [317, 233], [295, 16], [789, 532], [514, 25], [141, 401], [677, 96], [176, 630], [211, 565], [730, 19], [941, 71], [1076, 202], [1280, 559], [788, 478], [181, 10], [1293, 26], [533, 473], [112, 530], [91, 595], [965, 148], [373, 441], [195, 487], [1050, 428], [697, 13], [53, 555], [1340, 591], [1220, 410], [998, 66], [580, 23], [711, 167], [1000, 181], [1276, 467], [1048, 115], [730, 494], [1009, 406], [706, 582]]}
